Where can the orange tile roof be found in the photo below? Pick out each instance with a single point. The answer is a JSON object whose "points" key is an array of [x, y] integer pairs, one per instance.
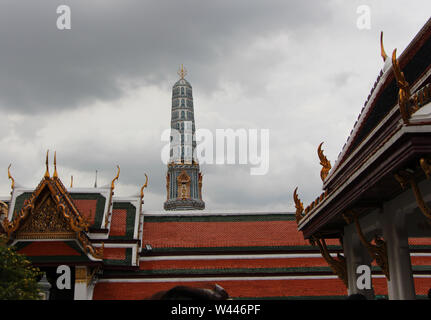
{"points": [[118, 222], [233, 263], [247, 288], [235, 288], [420, 241], [114, 253], [87, 208], [175, 234], [48, 248]]}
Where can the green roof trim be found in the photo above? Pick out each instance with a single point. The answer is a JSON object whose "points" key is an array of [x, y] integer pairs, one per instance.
{"points": [[220, 218], [223, 271]]}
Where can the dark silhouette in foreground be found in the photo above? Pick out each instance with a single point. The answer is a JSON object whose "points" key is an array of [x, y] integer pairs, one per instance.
{"points": [[190, 293]]}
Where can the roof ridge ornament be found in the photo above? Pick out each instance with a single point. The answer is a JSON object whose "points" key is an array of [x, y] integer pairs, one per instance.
{"points": [[182, 72], [144, 186], [111, 193], [116, 178], [298, 205], [47, 167], [404, 94], [324, 162], [382, 48], [55, 174], [10, 177]]}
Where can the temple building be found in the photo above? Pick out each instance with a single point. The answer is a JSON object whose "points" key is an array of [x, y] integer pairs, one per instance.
{"points": [[373, 212], [184, 179], [376, 197]]}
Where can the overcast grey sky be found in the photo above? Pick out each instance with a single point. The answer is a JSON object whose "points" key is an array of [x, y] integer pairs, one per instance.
{"points": [[100, 93]]}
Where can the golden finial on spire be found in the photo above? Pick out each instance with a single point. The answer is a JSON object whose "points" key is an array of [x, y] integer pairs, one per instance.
{"points": [[382, 49], [10, 177], [46, 164], [55, 175], [71, 181], [182, 72]]}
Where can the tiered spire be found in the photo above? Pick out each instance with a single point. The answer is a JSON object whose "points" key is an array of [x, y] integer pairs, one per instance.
{"points": [[183, 180]]}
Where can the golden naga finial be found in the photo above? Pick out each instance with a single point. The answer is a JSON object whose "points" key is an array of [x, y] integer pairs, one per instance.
{"points": [[404, 89], [116, 178], [298, 205], [324, 162], [10, 177], [182, 72], [382, 48], [144, 186], [110, 197], [55, 174], [46, 164]]}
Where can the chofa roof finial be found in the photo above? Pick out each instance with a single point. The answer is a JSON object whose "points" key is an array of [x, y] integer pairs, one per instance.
{"points": [[55, 174], [144, 186], [382, 48], [10, 177], [46, 164]]}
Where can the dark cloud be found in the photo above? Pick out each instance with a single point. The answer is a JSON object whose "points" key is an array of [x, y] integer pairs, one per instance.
{"points": [[112, 43], [99, 94]]}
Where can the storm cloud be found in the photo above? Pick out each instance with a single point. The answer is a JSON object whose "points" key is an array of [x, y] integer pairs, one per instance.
{"points": [[100, 93]]}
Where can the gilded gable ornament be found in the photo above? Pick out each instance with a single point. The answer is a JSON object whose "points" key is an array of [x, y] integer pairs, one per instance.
{"points": [[45, 222], [50, 213]]}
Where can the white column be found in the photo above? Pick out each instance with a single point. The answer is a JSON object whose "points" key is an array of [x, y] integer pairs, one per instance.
{"points": [[80, 283], [401, 284], [356, 255]]}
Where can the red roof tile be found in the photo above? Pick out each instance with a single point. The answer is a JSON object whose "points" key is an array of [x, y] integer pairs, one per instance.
{"points": [[223, 234], [49, 248], [420, 241], [86, 208], [235, 288], [114, 253], [233, 263], [118, 222], [247, 288]]}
